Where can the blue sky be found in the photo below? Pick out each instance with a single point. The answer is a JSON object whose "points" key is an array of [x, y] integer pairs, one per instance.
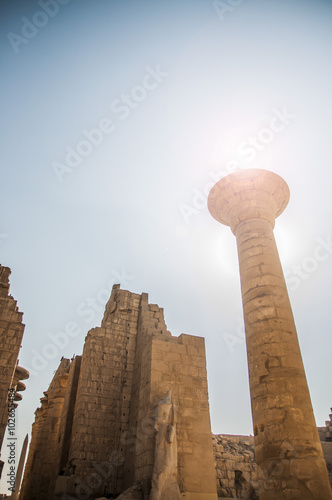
{"points": [[174, 95]]}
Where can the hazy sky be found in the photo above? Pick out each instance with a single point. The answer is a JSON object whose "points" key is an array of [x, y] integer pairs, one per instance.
{"points": [[117, 117]]}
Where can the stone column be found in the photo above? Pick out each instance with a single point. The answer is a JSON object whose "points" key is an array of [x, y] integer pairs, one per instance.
{"points": [[288, 450]]}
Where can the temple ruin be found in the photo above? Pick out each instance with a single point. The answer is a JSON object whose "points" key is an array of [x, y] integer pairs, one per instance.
{"points": [[131, 412], [97, 444], [129, 418]]}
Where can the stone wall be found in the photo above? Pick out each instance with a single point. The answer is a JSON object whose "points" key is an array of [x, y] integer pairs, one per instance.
{"points": [[138, 440], [235, 466], [65, 423], [327, 450], [325, 434], [39, 470], [11, 334], [101, 414], [164, 362], [104, 431]]}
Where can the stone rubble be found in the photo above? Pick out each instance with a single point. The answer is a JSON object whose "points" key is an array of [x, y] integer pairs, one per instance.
{"points": [[235, 466]]}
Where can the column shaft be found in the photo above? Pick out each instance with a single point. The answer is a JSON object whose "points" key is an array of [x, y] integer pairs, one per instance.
{"points": [[286, 436], [288, 449]]}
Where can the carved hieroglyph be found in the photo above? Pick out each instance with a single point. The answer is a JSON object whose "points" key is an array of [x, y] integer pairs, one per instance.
{"points": [[164, 479]]}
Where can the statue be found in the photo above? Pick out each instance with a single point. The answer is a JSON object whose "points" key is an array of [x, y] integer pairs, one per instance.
{"points": [[164, 479]]}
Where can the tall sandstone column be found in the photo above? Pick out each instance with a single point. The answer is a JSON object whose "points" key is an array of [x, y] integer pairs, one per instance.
{"points": [[288, 450]]}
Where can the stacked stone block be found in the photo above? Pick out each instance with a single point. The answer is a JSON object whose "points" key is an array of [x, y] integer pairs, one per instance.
{"points": [[105, 430], [183, 360], [235, 467], [138, 441], [66, 423], [101, 412], [325, 434], [235, 463], [164, 362], [11, 334], [39, 470], [328, 425]]}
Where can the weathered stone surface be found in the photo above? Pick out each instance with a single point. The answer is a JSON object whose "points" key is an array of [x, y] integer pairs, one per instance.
{"points": [[288, 450], [325, 434], [164, 483], [105, 432], [11, 334], [39, 470], [237, 453], [235, 466]]}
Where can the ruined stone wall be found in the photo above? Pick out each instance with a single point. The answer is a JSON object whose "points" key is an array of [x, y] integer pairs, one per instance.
{"points": [[235, 466], [164, 363], [104, 391], [179, 364], [40, 468], [65, 423], [325, 434], [327, 451], [138, 441], [11, 334], [128, 365]]}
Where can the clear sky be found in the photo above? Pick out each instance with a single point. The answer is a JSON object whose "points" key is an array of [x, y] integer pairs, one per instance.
{"points": [[116, 119]]}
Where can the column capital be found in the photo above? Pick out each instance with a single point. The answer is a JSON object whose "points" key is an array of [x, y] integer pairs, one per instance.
{"points": [[248, 194]]}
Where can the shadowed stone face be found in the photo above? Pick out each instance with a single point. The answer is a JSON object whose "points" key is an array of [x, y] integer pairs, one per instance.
{"points": [[288, 450]]}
